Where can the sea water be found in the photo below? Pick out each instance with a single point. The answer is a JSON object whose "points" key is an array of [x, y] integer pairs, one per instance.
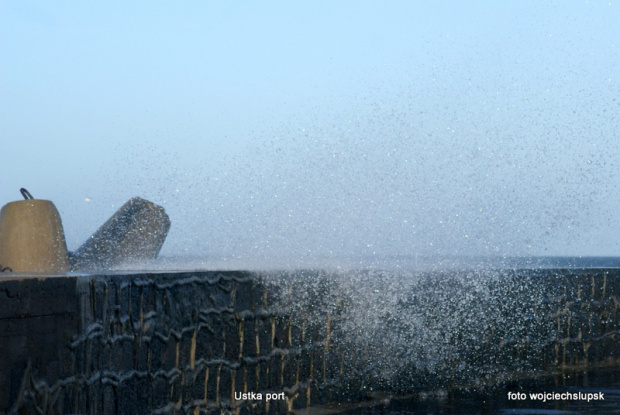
{"points": [[501, 399]]}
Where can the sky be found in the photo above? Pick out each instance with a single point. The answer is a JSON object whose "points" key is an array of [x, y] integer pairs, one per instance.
{"points": [[321, 129]]}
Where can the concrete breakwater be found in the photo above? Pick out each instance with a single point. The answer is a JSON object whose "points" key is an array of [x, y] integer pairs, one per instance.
{"points": [[208, 342]]}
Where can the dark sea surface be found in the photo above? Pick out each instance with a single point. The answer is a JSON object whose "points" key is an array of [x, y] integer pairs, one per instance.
{"points": [[496, 401], [395, 262]]}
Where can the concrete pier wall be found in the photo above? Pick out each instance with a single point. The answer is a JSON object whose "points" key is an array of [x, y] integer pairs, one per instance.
{"points": [[193, 342]]}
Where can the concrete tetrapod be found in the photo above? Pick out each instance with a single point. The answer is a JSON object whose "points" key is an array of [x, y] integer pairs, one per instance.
{"points": [[136, 232], [32, 238]]}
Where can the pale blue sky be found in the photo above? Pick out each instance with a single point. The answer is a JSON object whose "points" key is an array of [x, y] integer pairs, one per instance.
{"points": [[290, 129]]}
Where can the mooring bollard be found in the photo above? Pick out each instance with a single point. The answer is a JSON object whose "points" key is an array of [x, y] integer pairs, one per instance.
{"points": [[31, 237], [136, 232]]}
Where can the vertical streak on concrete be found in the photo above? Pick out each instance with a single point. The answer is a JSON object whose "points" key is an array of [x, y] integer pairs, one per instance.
{"points": [[217, 384], [240, 328], [93, 298], [192, 350], [181, 389], [224, 343], [104, 311], [245, 379], [141, 310], [258, 364], [289, 342], [564, 343], [233, 375], [205, 398], [233, 294], [586, 347]]}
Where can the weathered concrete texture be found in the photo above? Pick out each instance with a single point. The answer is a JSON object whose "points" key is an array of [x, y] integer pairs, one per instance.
{"points": [[38, 319], [587, 320], [153, 343], [186, 342], [136, 232], [32, 238]]}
